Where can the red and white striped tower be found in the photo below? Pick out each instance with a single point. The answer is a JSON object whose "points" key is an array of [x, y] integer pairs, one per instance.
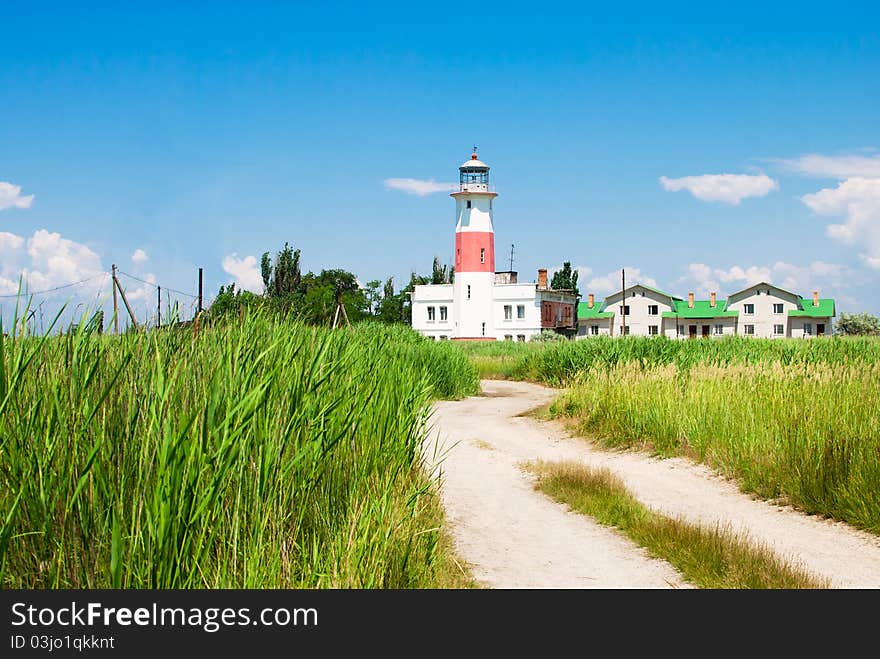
{"points": [[474, 252]]}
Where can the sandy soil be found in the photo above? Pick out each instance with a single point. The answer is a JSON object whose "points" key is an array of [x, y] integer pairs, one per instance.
{"points": [[514, 537]]}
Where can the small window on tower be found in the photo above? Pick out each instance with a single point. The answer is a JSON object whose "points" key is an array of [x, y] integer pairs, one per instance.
{"points": [[469, 203], [469, 292], [482, 255]]}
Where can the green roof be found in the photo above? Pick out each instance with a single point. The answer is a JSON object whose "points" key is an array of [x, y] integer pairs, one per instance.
{"points": [[585, 312], [824, 310], [701, 309]]}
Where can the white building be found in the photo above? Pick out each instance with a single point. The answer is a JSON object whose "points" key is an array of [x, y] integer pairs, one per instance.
{"points": [[762, 310], [482, 304]]}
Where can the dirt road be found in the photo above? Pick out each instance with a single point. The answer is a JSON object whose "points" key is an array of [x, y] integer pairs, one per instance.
{"points": [[515, 537]]}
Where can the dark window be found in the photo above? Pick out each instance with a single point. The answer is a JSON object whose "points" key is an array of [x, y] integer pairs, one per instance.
{"points": [[469, 203]]}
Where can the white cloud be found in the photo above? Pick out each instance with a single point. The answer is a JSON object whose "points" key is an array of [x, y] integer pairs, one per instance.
{"points": [[10, 197], [143, 291], [44, 260], [610, 283], [246, 272], [858, 200], [139, 256], [419, 187], [727, 188], [703, 279], [842, 166]]}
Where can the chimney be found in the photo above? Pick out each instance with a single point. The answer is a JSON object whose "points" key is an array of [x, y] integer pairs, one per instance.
{"points": [[690, 300], [712, 299], [591, 300], [815, 298], [542, 279]]}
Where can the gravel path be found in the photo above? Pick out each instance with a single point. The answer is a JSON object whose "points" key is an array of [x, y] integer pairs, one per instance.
{"points": [[514, 537]]}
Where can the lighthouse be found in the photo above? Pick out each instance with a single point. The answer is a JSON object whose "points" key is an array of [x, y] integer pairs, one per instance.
{"points": [[481, 304], [474, 251]]}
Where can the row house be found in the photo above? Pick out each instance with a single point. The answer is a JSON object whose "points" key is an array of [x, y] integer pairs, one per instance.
{"points": [[762, 310]]}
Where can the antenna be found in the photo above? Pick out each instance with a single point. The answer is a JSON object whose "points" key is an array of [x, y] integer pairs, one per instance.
{"points": [[511, 257]]}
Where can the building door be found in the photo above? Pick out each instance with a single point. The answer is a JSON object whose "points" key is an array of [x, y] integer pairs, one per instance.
{"points": [[692, 331], [820, 329], [705, 330]]}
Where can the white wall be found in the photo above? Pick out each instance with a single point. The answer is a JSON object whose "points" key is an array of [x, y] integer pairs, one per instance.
{"points": [[638, 321], [796, 326], [763, 318], [516, 295], [471, 313], [728, 327], [584, 330], [433, 295]]}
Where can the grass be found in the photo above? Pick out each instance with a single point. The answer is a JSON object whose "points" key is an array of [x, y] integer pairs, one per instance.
{"points": [[558, 363], [252, 454], [805, 433], [791, 419], [707, 557]]}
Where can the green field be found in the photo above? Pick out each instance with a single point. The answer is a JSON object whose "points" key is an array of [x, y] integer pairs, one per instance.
{"points": [[790, 419], [254, 454]]}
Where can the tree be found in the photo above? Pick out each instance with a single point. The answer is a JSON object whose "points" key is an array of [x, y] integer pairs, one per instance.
{"points": [[857, 324], [318, 302], [441, 274], [565, 278], [283, 279]]}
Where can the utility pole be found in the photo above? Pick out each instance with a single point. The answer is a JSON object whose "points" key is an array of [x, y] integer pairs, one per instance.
{"points": [[158, 306], [623, 301], [200, 291], [124, 301], [511, 257], [115, 307]]}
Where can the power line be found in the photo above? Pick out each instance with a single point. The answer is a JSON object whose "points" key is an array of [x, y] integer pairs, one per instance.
{"points": [[155, 285], [57, 288]]}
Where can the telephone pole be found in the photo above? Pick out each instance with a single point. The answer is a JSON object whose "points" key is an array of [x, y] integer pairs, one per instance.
{"points": [[623, 301], [200, 291], [511, 257], [158, 306], [115, 307]]}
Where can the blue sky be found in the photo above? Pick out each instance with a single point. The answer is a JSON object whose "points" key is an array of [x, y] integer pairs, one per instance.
{"points": [[205, 136]]}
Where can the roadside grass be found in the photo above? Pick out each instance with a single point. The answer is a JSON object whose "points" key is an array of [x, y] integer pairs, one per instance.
{"points": [[808, 434], [707, 557], [255, 453]]}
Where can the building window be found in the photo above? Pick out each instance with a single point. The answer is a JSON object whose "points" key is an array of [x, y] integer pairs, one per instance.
{"points": [[820, 329], [680, 329], [624, 310], [430, 314], [508, 312], [777, 307], [469, 292], [719, 329], [624, 329], [520, 311], [652, 330], [442, 313], [484, 329], [749, 330], [468, 203], [778, 329], [443, 337], [594, 330], [808, 329], [508, 337], [749, 309], [653, 310], [482, 255], [521, 338]]}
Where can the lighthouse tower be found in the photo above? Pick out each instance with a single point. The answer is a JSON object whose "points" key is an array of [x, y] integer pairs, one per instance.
{"points": [[474, 251]]}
